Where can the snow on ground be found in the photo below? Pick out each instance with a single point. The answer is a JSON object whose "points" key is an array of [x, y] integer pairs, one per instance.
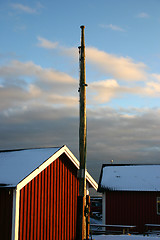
{"points": [[124, 237]]}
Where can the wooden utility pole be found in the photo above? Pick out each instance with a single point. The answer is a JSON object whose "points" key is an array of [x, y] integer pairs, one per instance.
{"points": [[81, 234]]}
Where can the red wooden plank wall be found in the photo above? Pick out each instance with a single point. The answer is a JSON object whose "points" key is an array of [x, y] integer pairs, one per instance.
{"points": [[48, 204], [6, 204], [132, 208]]}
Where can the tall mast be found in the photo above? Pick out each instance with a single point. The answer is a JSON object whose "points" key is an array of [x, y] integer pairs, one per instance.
{"points": [[82, 127], [82, 137]]}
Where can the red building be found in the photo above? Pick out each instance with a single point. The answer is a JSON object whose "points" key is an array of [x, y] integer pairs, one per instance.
{"points": [[131, 195], [38, 194]]}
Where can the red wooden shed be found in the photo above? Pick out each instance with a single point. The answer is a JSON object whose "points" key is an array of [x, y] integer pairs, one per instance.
{"points": [[38, 194], [131, 195]]}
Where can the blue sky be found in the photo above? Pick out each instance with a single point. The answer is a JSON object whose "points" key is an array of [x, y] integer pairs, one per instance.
{"points": [[39, 73]]}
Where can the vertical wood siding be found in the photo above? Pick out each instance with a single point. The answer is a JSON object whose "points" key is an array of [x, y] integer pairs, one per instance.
{"points": [[48, 204], [132, 208], [6, 205]]}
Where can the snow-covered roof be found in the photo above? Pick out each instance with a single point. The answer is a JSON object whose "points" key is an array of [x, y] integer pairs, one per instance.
{"points": [[130, 178], [18, 167]]}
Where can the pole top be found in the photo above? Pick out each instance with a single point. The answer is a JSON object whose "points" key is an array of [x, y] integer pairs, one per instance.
{"points": [[82, 26]]}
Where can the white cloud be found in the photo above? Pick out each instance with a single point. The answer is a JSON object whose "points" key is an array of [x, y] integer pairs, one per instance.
{"points": [[119, 67], [58, 99], [103, 91], [24, 84], [29, 69], [106, 90], [156, 76], [143, 15], [123, 68], [152, 89], [32, 83], [112, 27], [34, 91], [23, 8], [16, 68], [44, 43]]}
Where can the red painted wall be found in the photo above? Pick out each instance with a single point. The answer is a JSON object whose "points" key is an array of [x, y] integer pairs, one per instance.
{"points": [[6, 204], [132, 208], [48, 204]]}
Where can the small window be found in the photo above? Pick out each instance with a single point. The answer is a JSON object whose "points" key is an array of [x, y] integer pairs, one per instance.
{"points": [[158, 205]]}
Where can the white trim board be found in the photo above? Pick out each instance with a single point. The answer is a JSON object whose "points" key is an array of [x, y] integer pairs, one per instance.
{"points": [[15, 214], [38, 170]]}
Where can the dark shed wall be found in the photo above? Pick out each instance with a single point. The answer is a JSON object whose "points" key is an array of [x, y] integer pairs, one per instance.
{"points": [[6, 205], [132, 208], [48, 204]]}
